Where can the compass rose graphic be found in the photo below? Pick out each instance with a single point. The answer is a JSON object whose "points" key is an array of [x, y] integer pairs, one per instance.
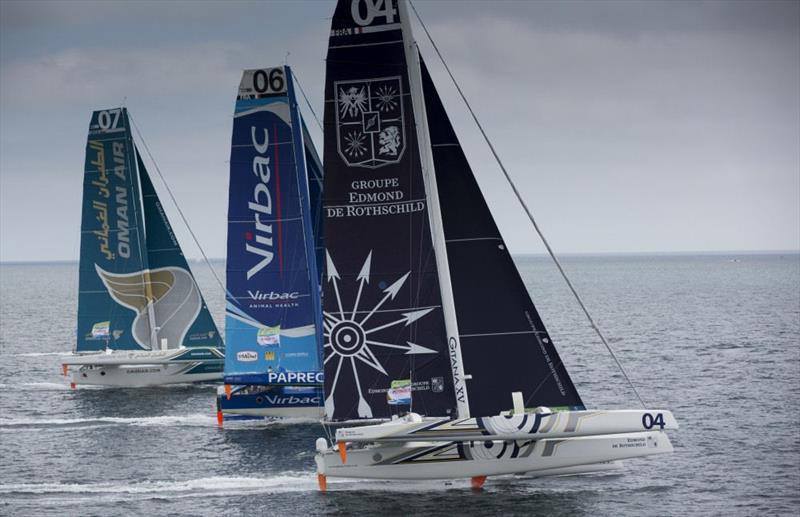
{"points": [[349, 338]]}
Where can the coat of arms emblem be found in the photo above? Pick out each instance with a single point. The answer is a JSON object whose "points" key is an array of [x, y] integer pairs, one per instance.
{"points": [[369, 121]]}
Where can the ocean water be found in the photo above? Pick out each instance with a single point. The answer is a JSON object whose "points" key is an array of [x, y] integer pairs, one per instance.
{"points": [[714, 338]]}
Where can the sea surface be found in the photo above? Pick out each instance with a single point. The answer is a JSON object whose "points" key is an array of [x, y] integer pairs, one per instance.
{"points": [[714, 338]]}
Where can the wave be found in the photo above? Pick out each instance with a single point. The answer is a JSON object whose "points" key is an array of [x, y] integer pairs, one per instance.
{"points": [[193, 420], [176, 420], [285, 482], [231, 421], [36, 386], [43, 354]]}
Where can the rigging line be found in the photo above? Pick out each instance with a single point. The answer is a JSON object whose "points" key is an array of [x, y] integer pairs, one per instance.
{"points": [[527, 210], [175, 202], [307, 101]]}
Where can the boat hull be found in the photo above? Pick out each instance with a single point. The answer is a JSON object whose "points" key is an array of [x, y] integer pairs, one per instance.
{"points": [[272, 401], [454, 460], [138, 369]]}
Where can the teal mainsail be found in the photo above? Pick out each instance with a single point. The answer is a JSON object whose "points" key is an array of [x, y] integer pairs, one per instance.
{"points": [[136, 291]]}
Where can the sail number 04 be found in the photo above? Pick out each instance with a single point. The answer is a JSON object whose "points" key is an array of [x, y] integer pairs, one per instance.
{"points": [[649, 421]]}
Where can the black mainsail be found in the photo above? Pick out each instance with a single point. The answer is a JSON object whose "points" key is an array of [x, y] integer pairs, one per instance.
{"points": [[385, 347], [424, 307]]}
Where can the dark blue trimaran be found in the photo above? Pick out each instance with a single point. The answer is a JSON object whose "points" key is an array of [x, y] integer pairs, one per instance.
{"points": [[273, 320]]}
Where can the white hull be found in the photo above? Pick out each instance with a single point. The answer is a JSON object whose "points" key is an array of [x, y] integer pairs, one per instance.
{"points": [[138, 369], [593, 468], [453, 460]]}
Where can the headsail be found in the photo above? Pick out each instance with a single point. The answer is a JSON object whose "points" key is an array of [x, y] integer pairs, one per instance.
{"points": [[136, 290], [504, 344], [386, 348], [273, 317], [181, 315]]}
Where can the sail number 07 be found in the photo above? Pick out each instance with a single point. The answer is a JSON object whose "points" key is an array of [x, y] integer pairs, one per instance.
{"points": [[108, 119], [649, 421]]}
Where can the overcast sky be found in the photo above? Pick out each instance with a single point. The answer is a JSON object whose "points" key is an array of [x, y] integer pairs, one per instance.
{"points": [[629, 126]]}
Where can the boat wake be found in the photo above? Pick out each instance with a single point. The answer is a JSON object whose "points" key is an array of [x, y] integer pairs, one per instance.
{"points": [[196, 420], [250, 422], [31, 386], [202, 487], [43, 354]]}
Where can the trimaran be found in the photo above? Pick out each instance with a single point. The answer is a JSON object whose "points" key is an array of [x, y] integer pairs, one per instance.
{"points": [[273, 318], [142, 320], [428, 324]]}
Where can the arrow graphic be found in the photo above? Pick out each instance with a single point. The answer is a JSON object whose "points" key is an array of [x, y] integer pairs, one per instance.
{"points": [[391, 292], [363, 278], [333, 275]]}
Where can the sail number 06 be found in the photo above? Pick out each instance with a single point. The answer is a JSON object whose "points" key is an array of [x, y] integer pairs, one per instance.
{"points": [[649, 421], [269, 81]]}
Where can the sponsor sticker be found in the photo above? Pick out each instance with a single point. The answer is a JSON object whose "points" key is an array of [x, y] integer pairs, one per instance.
{"points": [[269, 356], [246, 356], [101, 329], [269, 336], [295, 377], [437, 384], [399, 393]]}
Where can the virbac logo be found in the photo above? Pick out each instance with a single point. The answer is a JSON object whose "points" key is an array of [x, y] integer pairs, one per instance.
{"points": [[273, 296]]}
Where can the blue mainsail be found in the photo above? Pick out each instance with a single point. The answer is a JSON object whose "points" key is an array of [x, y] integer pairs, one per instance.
{"points": [[135, 289], [273, 320]]}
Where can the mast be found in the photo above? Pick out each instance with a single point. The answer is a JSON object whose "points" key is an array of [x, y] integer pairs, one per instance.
{"points": [[147, 284], [435, 214]]}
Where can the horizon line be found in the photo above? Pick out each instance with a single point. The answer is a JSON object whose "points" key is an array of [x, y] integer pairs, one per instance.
{"points": [[529, 254]]}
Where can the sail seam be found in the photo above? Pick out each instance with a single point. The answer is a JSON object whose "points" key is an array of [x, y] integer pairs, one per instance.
{"points": [[367, 44], [500, 333], [475, 239]]}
